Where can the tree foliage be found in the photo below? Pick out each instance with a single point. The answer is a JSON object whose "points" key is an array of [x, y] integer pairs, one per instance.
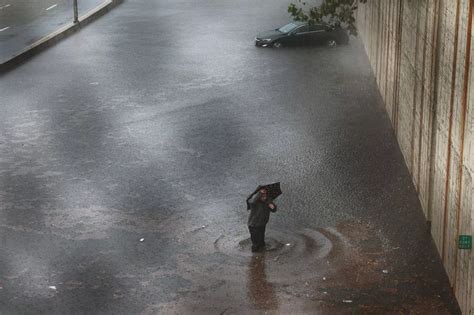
{"points": [[337, 13]]}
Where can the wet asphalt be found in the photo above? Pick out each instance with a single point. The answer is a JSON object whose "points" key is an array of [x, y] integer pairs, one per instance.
{"points": [[128, 149]]}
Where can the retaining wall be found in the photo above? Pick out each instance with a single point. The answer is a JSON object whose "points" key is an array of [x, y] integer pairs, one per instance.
{"points": [[421, 52]]}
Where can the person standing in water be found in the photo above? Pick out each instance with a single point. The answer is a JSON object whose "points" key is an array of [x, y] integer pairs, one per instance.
{"points": [[260, 206]]}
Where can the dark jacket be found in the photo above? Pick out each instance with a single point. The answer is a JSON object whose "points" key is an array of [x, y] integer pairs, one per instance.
{"points": [[259, 211]]}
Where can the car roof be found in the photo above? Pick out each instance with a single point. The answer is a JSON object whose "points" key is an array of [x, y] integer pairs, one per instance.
{"points": [[299, 23]]}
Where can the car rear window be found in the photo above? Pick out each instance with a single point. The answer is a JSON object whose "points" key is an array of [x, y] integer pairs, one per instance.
{"points": [[302, 29]]}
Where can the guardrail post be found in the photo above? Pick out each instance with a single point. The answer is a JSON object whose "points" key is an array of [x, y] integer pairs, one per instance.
{"points": [[76, 15]]}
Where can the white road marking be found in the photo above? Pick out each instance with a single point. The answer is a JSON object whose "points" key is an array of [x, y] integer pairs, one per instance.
{"points": [[4, 29], [5, 6], [52, 7]]}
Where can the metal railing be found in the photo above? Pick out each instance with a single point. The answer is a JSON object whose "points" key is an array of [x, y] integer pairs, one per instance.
{"points": [[76, 12]]}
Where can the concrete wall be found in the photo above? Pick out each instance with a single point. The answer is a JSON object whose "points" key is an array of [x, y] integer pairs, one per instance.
{"points": [[421, 52]]}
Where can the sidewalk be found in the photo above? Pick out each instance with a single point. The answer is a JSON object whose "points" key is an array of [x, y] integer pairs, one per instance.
{"points": [[22, 33]]}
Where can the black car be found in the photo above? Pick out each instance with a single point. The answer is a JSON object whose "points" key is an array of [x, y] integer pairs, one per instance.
{"points": [[302, 33]]}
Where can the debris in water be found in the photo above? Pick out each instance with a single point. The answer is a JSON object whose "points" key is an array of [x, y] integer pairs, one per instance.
{"points": [[217, 239], [287, 244], [325, 292], [347, 301], [385, 271], [94, 83], [52, 287], [199, 228], [324, 278], [142, 239]]}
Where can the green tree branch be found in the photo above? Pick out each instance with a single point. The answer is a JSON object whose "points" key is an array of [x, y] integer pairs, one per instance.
{"points": [[337, 13]]}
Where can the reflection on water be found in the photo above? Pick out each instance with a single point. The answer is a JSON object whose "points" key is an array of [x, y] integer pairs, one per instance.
{"points": [[260, 291]]}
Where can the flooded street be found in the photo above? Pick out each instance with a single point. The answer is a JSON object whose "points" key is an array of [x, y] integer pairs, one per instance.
{"points": [[127, 152]]}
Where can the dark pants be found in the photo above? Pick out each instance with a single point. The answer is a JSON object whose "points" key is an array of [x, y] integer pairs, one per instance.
{"points": [[257, 235]]}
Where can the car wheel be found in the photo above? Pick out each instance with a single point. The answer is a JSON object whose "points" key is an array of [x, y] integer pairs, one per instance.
{"points": [[277, 45], [332, 43]]}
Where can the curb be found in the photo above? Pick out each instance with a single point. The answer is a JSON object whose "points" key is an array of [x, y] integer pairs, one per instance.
{"points": [[56, 36]]}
